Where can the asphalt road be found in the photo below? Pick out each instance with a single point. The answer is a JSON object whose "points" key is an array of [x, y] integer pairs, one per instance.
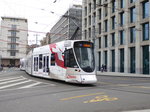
{"points": [[20, 92]]}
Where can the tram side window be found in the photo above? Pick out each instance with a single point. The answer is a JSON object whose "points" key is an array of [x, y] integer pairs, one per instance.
{"points": [[47, 67], [44, 64], [52, 59], [40, 61], [37, 64], [69, 59], [34, 64]]}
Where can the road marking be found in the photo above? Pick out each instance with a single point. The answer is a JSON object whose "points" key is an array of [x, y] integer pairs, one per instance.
{"points": [[12, 81], [10, 78], [126, 85], [80, 96], [10, 85], [123, 85], [146, 110], [31, 85], [101, 98], [144, 87]]}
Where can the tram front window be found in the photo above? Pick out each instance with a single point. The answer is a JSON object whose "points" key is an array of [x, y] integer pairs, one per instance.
{"points": [[85, 55]]}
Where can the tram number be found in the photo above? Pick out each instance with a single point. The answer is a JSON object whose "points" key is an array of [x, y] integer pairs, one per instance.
{"points": [[101, 98]]}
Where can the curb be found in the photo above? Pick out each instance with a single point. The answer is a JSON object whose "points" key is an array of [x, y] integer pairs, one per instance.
{"points": [[117, 74], [147, 110]]}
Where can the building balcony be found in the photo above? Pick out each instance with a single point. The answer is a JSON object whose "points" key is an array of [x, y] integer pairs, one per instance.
{"points": [[15, 50], [13, 29], [13, 43], [13, 37]]}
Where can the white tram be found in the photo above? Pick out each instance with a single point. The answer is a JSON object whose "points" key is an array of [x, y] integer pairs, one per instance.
{"points": [[70, 61], [22, 63]]}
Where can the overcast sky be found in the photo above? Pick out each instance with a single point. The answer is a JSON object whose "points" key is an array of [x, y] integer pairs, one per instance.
{"points": [[38, 12]]}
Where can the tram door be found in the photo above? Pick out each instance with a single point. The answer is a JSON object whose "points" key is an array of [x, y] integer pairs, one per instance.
{"points": [[40, 70], [35, 63], [46, 64]]}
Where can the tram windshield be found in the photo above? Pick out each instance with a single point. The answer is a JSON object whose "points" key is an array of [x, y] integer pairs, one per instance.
{"points": [[84, 52]]}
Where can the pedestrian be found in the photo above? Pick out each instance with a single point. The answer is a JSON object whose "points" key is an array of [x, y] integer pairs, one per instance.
{"points": [[105, 68], [102, 68]]}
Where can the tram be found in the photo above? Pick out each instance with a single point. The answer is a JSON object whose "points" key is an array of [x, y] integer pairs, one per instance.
{"points": [[22, 63], [70, 60]]}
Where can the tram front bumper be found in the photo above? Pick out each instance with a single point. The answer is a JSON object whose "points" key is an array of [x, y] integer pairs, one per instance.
{"points": [[88, 79]]}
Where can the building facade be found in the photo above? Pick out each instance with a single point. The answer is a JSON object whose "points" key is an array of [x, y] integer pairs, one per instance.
{"points": [[69, 25], [121, 33], [13, 40]]}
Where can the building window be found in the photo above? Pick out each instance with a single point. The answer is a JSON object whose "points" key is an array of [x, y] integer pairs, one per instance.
{"points": [[94, 2], [89, 20], [94, 32], [99, 28], [131, 1], [13, 33], [105, 10], [122, 37], [90, 8], [13, 40], [14, 27], [85, 22], [85, 34], [122, 3], [85, 11], [113, 60], [105, 38], [113, 5], [122, 19], [113, 39], [100, 42], [121, 60], [12, 53], [146, 9], [113, 22], [146, 59], [100, 2], [14, 20], [105, 57], [100, 14], [132, 35], [13, 46], [99, 60], [145, 31], [94, 18], [106, 25], [132, 59], [89, 32], [132, 15]]}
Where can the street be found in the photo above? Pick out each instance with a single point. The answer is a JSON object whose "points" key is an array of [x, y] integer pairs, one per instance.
{"points": [[20, 92]]}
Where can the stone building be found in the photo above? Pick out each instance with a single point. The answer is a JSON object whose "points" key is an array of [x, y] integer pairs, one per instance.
{"points": [[69, 25], [121, 33], [13, 40]]}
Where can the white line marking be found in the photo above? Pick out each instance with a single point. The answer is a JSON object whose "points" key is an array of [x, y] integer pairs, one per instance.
{"points": [[10, 85], [12, 81], [31, 85], [10, 78]]}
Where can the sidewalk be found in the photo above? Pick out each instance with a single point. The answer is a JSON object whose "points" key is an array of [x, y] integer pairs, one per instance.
{"points": [[118, 74]]}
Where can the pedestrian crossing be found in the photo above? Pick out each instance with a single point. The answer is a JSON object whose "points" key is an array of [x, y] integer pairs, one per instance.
{"points": [[8, 70], [19, 82]]}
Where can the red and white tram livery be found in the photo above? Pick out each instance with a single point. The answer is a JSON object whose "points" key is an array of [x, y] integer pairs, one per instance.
{"points": [[70, 61]]}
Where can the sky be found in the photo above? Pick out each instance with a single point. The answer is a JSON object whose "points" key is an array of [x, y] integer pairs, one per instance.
{"points": [[41, 14]]}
